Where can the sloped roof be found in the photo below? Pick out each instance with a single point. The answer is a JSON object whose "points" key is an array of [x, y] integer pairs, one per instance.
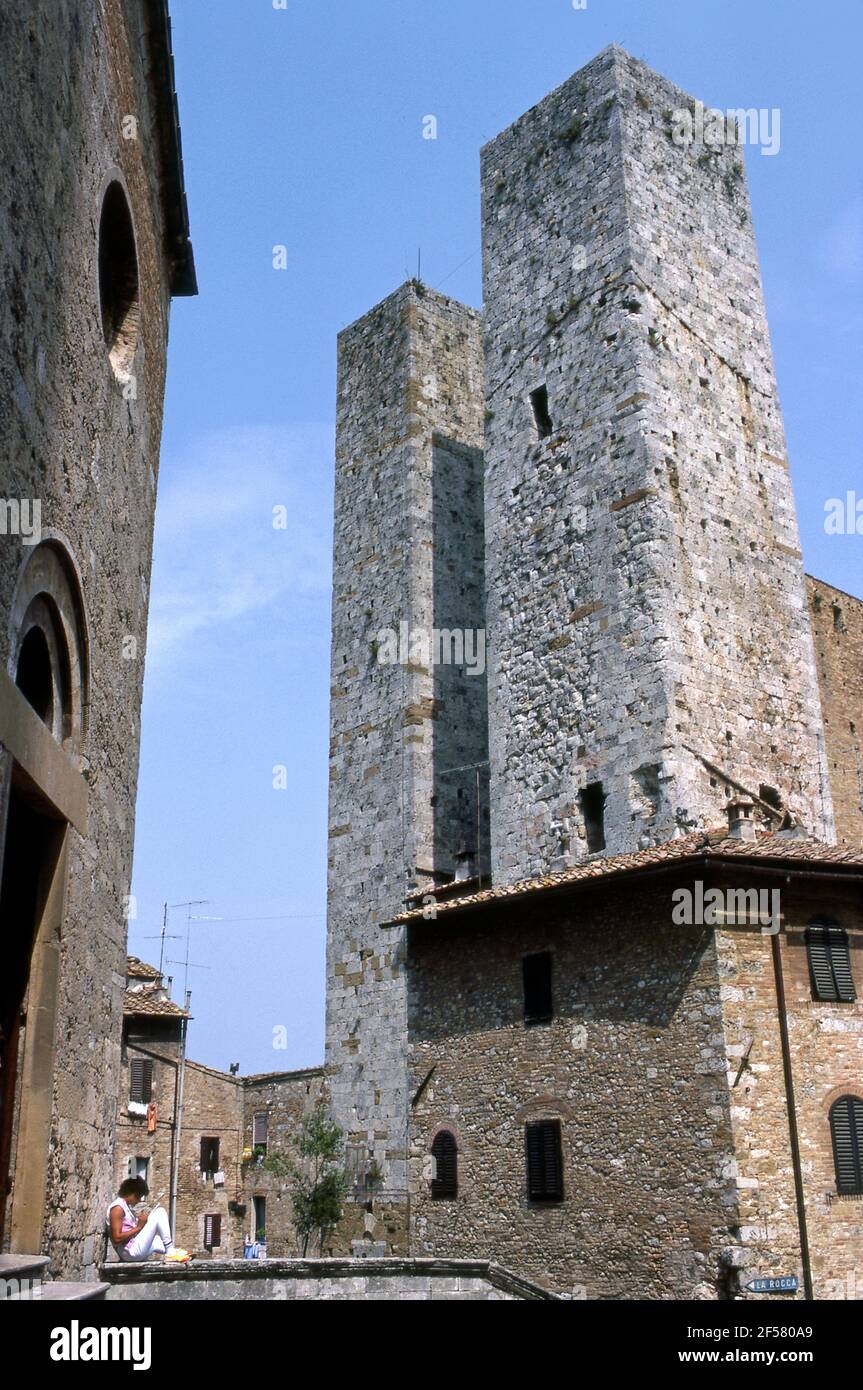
{"points": [[137, 969], [779, 848], [181, 260], [139, 1003]]}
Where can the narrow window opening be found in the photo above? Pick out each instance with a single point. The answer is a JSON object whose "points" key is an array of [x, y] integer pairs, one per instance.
{"points": [[209, 1155], [140, 1081], [541, 417], [33, 676], [544, 1156], [444, 1183], [260, 1210], [212, 1231], [260, 1132], [538, 999], [829, 962], [118, 280], [846, 1128], [592, 801]]}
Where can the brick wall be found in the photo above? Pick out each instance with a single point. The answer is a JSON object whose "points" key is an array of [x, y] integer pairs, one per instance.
{"points": [[837, 626]]}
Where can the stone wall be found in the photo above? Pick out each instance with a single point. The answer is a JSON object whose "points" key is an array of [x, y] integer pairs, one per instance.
{"points": [[837, 626], [664, 1065], [646, 600], [632, 1066], [84, 443], [366, 1280], [285, 1099], [407, 550]]}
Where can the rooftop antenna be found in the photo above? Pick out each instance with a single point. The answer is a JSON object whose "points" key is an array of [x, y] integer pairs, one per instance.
{"points": [[419, 264]]}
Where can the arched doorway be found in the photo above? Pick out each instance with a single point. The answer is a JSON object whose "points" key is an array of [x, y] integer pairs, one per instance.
{"points": [[43, 703]]}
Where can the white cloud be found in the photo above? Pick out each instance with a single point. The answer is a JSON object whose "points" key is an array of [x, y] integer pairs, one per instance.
{"points": [[217, 556]]}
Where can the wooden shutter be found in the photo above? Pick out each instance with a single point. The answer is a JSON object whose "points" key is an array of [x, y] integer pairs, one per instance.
{"points": [[445, 1153], [536, 973], [830, 963], [212, 1231], [259, 1129], [846, 1126], [544, 1161], [140, 1080]]}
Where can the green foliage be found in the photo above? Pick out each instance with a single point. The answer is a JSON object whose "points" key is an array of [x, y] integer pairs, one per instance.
{"points": [[317, 1184]]}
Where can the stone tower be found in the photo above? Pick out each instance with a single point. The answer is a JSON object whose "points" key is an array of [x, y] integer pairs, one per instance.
{"points": [[94, 242], [647, 616], [408, 730]]}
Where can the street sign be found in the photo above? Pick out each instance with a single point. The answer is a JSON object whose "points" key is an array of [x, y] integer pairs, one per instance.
{"points": [[787, 1284]]}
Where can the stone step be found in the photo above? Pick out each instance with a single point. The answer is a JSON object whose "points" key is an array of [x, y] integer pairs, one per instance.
{"points": [[62, 1291], [23, 1267]]}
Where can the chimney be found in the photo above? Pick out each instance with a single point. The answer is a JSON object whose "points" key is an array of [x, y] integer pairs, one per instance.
{"points": [[741, 823]]}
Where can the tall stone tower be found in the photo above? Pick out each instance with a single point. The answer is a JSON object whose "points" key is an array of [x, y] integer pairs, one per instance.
{"points": [[408, 731], [646, 600]]}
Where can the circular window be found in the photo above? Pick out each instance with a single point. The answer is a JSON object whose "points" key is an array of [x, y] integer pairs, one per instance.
{"points": [[118, 280]]}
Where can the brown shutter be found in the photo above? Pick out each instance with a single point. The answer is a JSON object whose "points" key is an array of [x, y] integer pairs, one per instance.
{"points": [[140, 1080], [259, 1128], [544, 1155]]}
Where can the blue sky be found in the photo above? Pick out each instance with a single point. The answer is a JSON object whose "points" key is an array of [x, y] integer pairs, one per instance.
{"points": [[302, 128]]}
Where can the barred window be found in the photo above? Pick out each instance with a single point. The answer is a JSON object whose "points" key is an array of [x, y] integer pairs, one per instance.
{"points": [[846, 1127], [544, 1154], [444, 1183], [829, 961]]}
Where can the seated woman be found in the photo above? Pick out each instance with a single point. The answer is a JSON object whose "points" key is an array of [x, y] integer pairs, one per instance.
{"points": [[137, 1238]]}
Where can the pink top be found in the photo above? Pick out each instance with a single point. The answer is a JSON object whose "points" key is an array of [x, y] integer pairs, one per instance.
{"points": [[129, 1220]]}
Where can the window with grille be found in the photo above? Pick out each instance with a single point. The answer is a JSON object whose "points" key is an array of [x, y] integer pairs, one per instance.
{"points": [[544, 1155], [444, 1183], [212, 1231], [846, 1127], [536, 974], [209, 1155], [829, 962], [140, 1081]]}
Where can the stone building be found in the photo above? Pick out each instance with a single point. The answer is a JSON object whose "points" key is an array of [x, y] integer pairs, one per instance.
{"points": [[606, 497], [199, 1136], [95, 242]]}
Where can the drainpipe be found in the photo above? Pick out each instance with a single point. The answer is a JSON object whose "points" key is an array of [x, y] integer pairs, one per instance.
{"points": [[178, 1120], [792, 1117]]}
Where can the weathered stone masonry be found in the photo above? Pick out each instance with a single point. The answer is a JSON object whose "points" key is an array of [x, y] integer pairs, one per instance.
{"points": [[646, 595], [408, 549], [81, 437]]}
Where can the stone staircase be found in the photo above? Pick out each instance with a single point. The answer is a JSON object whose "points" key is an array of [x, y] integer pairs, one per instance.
{"points": [[25, 1278]]}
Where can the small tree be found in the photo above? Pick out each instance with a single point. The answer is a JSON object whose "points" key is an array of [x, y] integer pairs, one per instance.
{"points": [[317, 1184]]}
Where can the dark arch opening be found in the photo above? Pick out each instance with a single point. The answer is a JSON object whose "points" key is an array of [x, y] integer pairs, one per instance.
{"points": [[118, 278], [34, 676]]}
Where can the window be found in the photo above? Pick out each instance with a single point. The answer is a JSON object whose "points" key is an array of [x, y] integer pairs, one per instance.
{"points": [[140, 1081], [541, 417], [209, 1155], [538, 1005], [444, 1183], [829, 962], [846, 1127], [139, 1167], [212, 1231], [118, 280], [34, 676], [544, 1161], [260, 1209], [592, 802], [259, 1131]]}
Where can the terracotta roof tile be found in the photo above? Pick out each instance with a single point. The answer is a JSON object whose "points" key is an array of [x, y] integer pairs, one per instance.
{"points": [[699, 845], [140, 1002], [139, 970]]}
